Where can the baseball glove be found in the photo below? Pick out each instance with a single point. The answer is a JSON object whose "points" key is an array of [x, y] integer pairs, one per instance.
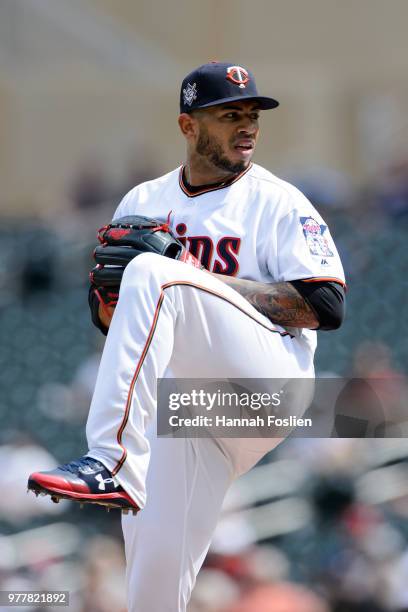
{"points": [[121, 241]]}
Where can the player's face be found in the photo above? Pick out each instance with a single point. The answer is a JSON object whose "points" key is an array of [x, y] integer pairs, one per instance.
{"points": [[228, 134]]}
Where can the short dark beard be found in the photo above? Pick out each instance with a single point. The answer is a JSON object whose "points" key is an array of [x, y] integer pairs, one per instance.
{"points": [[212, 150]]}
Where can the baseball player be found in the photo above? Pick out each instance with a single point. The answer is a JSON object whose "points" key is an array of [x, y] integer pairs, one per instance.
{"points": [[272, 277]]}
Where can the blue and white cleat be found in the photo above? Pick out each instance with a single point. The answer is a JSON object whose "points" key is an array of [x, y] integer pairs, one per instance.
{"points": [[84, 480]]}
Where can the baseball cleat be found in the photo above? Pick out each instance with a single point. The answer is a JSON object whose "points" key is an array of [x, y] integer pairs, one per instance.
{"points": [[84, 480]]}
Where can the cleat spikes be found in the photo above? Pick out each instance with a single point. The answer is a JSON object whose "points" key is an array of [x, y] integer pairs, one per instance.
{"points": [[55, 499], [125, 511]]}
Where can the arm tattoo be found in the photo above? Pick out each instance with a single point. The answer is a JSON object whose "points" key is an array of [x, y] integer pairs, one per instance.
{"points": [[280, 302]]}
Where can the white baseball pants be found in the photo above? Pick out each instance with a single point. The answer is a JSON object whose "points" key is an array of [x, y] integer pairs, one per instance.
{"points": [[175, 320]]}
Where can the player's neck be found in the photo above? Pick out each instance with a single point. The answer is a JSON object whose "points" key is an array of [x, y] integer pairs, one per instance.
{"points": [[197, 173]]}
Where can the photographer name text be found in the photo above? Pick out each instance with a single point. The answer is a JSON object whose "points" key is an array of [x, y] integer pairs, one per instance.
{"points": [[224, 421]]}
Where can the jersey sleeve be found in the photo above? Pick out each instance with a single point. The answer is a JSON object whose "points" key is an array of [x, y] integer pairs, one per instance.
{"points": [[305, 249], [128, 204]]}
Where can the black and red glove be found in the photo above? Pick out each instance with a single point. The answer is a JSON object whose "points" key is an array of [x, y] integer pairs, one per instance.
{"points": [[121, 241]]}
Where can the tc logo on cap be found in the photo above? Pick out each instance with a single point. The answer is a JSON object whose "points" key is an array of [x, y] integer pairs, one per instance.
{"points": [[238, 75]]}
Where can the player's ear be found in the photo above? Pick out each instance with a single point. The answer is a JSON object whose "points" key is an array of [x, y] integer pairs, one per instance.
{"points": [[188, 125]]}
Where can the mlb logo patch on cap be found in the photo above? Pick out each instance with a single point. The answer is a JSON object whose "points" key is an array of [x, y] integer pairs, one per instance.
{"points": [[190, 93]]}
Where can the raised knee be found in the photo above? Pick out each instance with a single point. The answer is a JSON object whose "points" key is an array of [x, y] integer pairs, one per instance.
{"points": [[145, 261], [150, 265], [142, 267]]}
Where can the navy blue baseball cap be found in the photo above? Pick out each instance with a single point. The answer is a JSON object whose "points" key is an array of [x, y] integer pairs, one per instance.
{"points": [[217, 83]]}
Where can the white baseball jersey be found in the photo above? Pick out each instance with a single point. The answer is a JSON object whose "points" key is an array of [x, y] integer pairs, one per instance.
{"points": [[258, 227], [174, 320]]}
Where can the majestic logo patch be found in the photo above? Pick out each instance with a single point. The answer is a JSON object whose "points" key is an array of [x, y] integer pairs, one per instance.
{"points": [[315, 239], [238, 75], [190, 93]]}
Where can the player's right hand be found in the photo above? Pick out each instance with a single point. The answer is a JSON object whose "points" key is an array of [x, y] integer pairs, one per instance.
{"points": [[105, 314], [102, 302]]}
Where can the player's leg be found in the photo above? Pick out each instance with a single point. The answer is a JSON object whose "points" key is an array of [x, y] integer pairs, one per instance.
{"points": [[171, 314], [217, 334], [137, 349], [187, 479], [166, 543], [171, 311]]}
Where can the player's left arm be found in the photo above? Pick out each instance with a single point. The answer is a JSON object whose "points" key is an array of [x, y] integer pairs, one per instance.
{"points": [[301, 255], [298, 303]]}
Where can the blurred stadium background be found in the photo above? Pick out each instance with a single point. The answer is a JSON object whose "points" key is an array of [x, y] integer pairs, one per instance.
{"points": [[88, 99]]}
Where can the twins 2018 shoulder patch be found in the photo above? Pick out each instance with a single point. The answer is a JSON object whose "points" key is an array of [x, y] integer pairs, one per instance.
{"points": [[315, 238]]}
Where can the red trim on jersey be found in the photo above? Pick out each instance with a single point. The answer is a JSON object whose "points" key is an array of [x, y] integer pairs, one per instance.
{"points": [[323, 278], [132, 386], [125, 418], [227, 183]]}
